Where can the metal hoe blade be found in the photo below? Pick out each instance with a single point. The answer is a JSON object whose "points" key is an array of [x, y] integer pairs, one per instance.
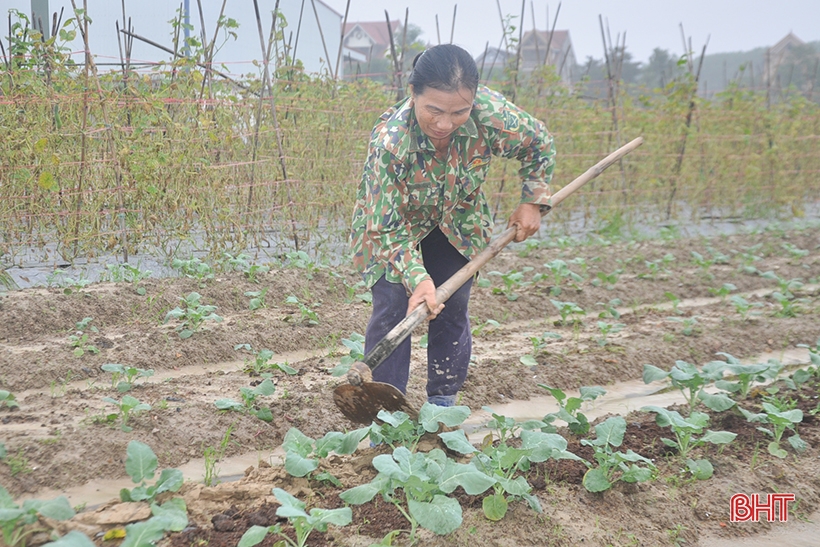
{"points": [[361, 404]]}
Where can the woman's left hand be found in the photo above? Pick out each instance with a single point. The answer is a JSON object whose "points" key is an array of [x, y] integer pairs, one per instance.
{"points": [[527, 218]]}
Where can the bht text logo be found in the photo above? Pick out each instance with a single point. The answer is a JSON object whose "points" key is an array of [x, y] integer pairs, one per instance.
{"points": [[744, 507]]}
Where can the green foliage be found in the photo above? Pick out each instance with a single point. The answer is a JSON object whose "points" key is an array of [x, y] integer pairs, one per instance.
{"points": [[8, 399], [302, 453], [744, 307], [690, 324], [193, 268], [307, 314], [192, 315], [559, 272], [241, 262], [567, 310], [398, 429], [15, 520], [141, 465], [607, 280], [79, 340], [685, 431], [128, 373], [303, 522], [513, 281], [127, 408], [356, 346], [261, 364], [569, 407], [213, 455], [723, 291], [691, 382], [614, 465], [745, 375], [779, 421], [606, 329], [249, 404], [484, 328], [126, 273], [257, 299]]}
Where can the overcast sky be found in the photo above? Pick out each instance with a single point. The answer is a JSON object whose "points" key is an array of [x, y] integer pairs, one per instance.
{"points": [[730, 25]]}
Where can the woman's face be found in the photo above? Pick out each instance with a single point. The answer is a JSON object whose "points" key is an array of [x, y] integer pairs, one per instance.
{"points": [[439, 113]]}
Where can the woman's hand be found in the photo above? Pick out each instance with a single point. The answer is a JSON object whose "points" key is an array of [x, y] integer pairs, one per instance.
{"points": [[527, 218], [425, 293]]}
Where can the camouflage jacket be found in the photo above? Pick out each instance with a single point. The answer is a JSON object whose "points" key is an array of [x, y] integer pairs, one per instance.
{"points": [[405, 193]]}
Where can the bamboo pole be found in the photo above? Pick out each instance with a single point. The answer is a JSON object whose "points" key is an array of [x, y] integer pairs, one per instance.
{"points": [[453, 28], [321, 34], [397, 72], [341, 42]]}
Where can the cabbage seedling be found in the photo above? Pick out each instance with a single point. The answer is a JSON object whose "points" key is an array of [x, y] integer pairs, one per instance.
{"points": [[614, 465], [691, 381], [779, 421], [128, 407], [15, 520]]}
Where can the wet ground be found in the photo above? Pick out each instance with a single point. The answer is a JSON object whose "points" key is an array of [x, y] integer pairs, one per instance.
{"points": [[660, 301]]}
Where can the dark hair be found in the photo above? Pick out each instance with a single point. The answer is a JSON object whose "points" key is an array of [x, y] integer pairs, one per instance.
{"points": [[445, 67]]}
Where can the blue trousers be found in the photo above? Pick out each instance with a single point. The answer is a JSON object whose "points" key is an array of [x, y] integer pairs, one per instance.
{"points": [[449, 341]]}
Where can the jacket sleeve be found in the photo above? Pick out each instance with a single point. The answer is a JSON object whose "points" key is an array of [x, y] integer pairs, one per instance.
{"points": [[527, 140], [387, 235]]}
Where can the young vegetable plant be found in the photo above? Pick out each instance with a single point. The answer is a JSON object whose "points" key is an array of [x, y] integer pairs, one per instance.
{"points": [[193, 268], [513, 281], [685, 431], [129, 375], [690, 324], [745, 375], [690, 381], [560, 272], [308, 315], [606, 329], [302, 453], [723, 291], [485, 327], [261, 363], [126, 273], [356, 346], [607, 280], [249, 405], [398, 429], [425, 479], [16, 521], [79, 340], [780, 421], [567, 310], [744, 307], [141, 465], [257, 299], [538, 345], [303, 522], [614, 465], [128, 407], [568, 407], [193, 315], [8, 399], [241, 262]]}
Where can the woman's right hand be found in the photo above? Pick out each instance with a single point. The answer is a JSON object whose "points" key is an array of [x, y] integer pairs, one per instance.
{"points": [[425, 293]]}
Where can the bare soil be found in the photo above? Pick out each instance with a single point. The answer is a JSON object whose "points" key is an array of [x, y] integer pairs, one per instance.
{"points": [[59, 438]]}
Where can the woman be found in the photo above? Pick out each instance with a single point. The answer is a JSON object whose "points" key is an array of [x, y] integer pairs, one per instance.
{"points": [[421, 213]]}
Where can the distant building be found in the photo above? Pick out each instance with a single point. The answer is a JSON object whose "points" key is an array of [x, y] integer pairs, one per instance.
{"points": [[778, 53], [371, 39], [535, 46]]}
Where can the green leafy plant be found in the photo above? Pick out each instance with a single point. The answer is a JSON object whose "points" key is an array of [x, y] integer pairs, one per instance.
{"points": [[257, 299], [192, 314], [610, 309], [398, 429], [691, 382], [8, 399], [193, 268], [513, 281], [690, 324], [567, 310], [79, 340], [745, 375], [302, 453], [485, 327], [307, 314], [559, 272], [425, 479], [126, 273], [675, 302], [607, 280], [569, 407], [686, 431], [303, 522], [129, 375], [614, 465], [606, 329], [744, 307], [302, 261], [128, 407], [261, 364], [141, 465], [249, 404], [779, 421], [723, 291], [241, 262], [16, 520], [538, 345], [356, 346], [794, 251]]}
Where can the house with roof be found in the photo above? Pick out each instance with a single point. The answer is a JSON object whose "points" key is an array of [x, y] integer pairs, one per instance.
{"points": [[538, 47], [778, 53], [370, 38]]}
